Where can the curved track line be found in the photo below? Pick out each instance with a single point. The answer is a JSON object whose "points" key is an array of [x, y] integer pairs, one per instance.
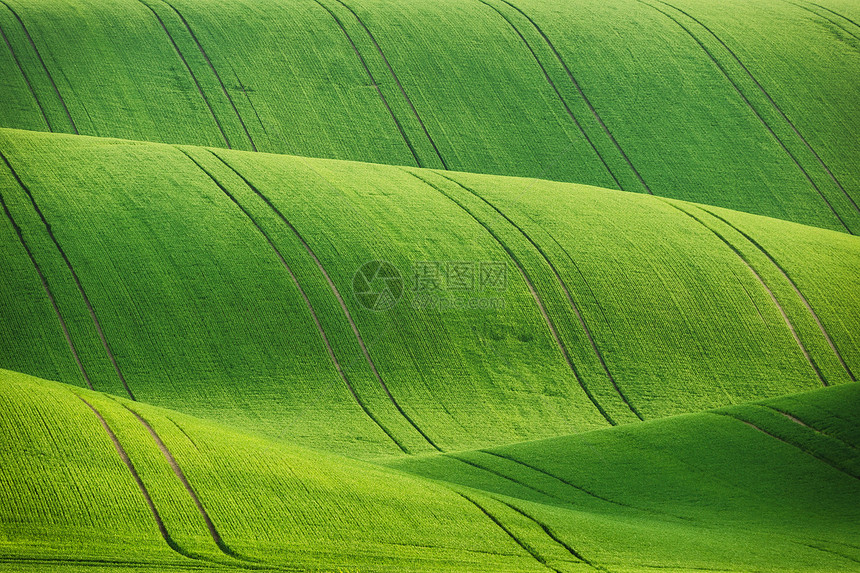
{"points": [[566, 292], [245, 90], [557, 92], [213, 531], [771, 100], [836, 14], [320, 329], [47, 292], [584, 97], [523, 545], [795, 446], [190, 73], [74, 276], [506, 477], [823, 17], [788, 322], [44, 67], [796, 290], [26, 79], [128, 463], [214, 71], [534, 294], [805, 425], [552, 535], [750, 106], [372, 81], [340, 300], [397, 81]]}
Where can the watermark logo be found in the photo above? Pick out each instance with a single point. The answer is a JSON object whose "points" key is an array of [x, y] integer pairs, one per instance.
{"points": [[377, 285]]}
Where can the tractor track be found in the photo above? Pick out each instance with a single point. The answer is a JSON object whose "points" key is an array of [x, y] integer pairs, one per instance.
{"points": [[314, 315], [26, 80], [74, 276], [534, 294], [749, 105], [340, 300]]}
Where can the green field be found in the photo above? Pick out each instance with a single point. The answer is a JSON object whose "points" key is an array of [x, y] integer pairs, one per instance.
{"points": [[412, 285]]}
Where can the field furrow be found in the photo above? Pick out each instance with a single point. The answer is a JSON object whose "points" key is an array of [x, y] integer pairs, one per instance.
{"points": [[29, 85]]}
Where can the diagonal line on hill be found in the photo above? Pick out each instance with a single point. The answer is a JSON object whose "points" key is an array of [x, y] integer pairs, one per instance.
{"points": [[549, 322], [26, 79], [335, 362], [340, 301], [74, 274]]}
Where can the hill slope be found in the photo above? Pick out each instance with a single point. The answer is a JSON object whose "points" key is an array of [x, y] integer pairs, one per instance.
{"points": [[749, 106], [114, 483], [223, 284]]}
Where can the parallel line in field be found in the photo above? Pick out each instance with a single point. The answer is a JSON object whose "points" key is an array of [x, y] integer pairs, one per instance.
{"points": [[835, 13], [213, 531], [244, 91], [556, 90], [44, 67], [534, 294], [563, 285], [505, 477], [822, 549], [525, 547], [340, 301], [162, 528], [582, 489], [397, 81], [190, 73], [552, 535], [779, 307], [793, 445], [771, 100], [794, 286], [214, 71], [308, 304], [26, 79], [54, 561], [822, 16], [48, 293], [74, 274], [583, 96], [373, 82], [800, 422], [751, 107]]}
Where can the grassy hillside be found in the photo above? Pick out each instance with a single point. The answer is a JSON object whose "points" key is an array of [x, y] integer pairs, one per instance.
{"points": [[748, 106], [222, 284], [118, 484]]}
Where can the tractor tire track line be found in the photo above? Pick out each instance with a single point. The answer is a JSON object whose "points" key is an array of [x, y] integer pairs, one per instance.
{"points": [[44, 67], [753, 110], [525, 547], [397, 81], [340, 300], [793, 445], [533, 292], [822, 16], [582, 489], [506, 477], [373, 82], [248, 98], [830, 551], [48, 292], [846, 18], [773, 298], [26, 79], [190, 73], [794, 286], [771, 100], [214, 71], [74, 276], [584, 97], [130, 465], [808, 427], [213, 531], [552, 535], [563, 285], [557, 92], [316, 319]]}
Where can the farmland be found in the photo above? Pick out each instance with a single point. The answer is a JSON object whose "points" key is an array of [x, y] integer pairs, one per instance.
{"points": [[386, 285]]}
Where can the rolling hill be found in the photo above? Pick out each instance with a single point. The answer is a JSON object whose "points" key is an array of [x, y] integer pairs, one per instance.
{"points": [[390, 285]]}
